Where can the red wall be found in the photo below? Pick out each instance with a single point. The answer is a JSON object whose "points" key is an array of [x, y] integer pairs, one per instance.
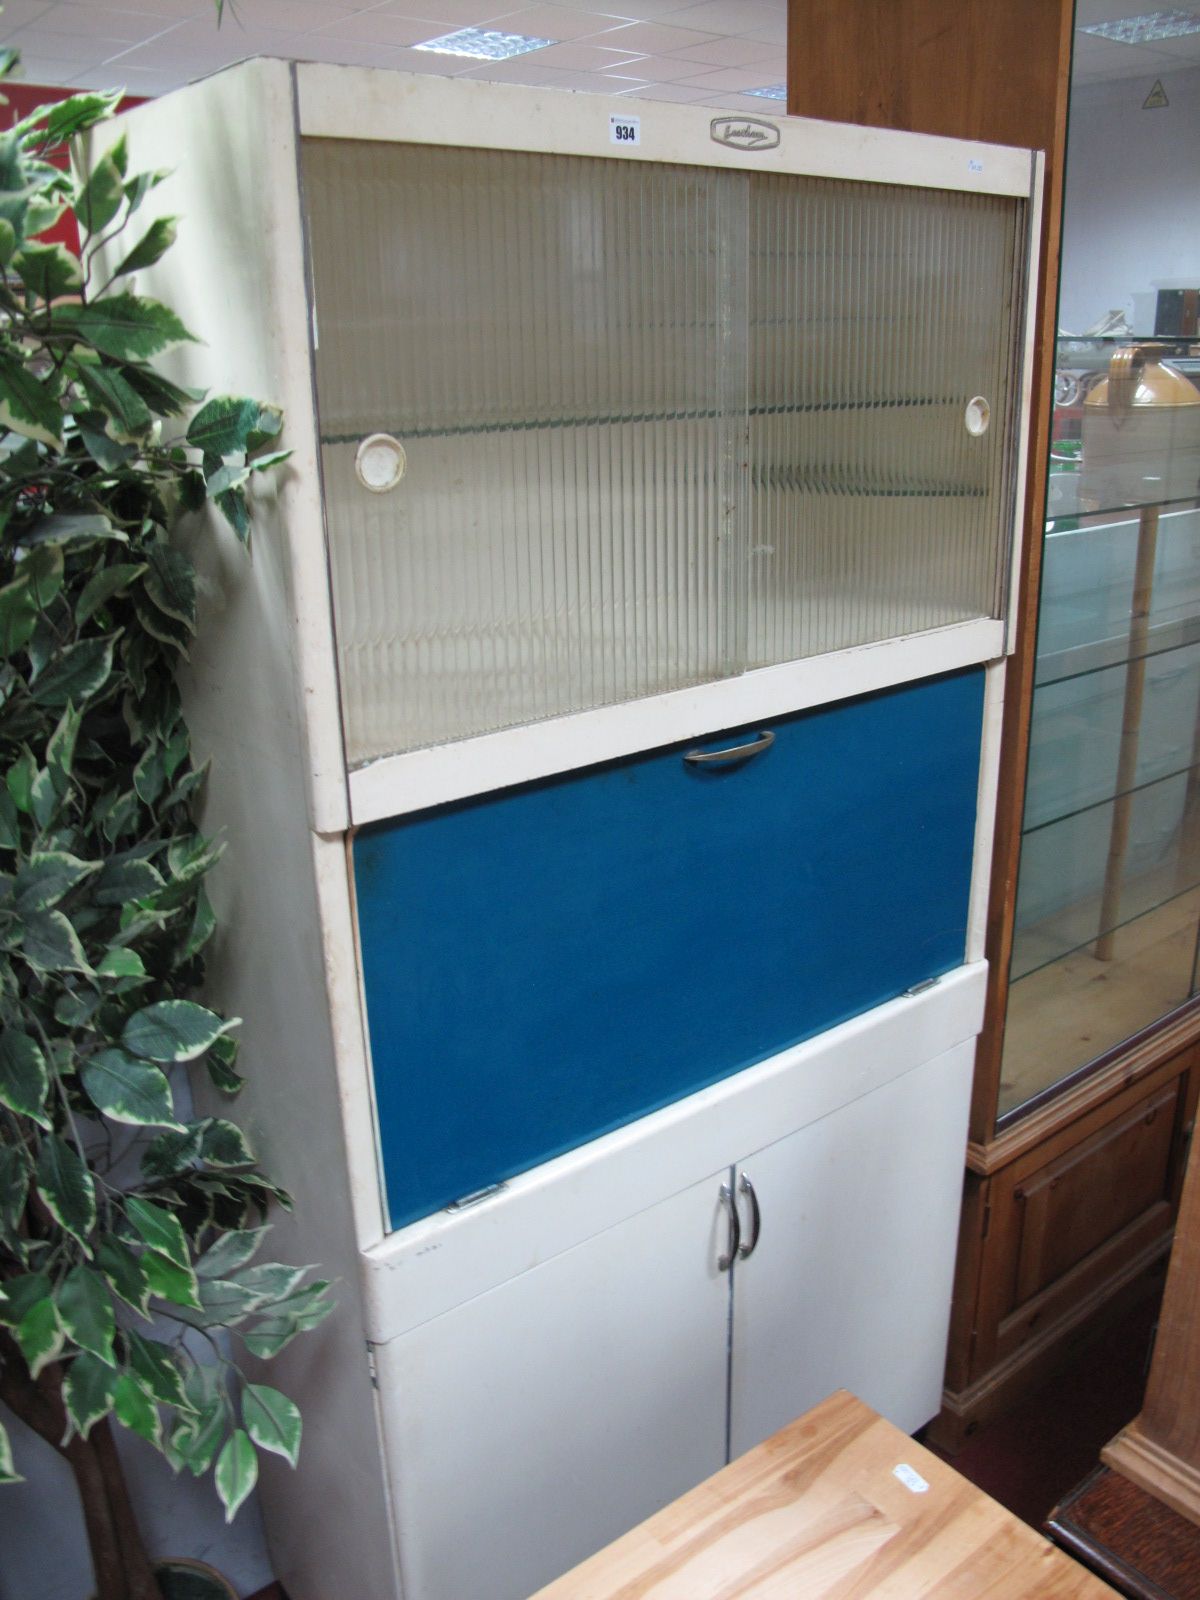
{"points": [[26, 97]]}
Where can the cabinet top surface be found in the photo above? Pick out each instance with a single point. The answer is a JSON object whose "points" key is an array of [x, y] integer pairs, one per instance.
{"points": [[373, 104], [839, 1501]]}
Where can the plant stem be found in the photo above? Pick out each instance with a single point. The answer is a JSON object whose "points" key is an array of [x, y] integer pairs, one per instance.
{"points": [[119, 1561], [140, 1582]]}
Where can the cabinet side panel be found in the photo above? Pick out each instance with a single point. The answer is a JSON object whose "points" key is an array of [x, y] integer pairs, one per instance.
{"points": [[282, 952]]}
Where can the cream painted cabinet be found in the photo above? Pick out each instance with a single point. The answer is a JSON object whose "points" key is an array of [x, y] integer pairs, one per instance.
{"points": [[568, 1401], [604, 729], [848, 1286]]}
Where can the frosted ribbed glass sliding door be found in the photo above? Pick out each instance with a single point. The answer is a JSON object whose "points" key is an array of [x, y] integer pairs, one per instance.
{"points": [[877, 316], [550, 339], [660, 424]]}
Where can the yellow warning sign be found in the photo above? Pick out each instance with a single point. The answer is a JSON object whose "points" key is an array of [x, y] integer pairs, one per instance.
{"points": [[1157, 97]]}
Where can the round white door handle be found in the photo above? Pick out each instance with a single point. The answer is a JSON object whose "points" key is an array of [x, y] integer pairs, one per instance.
{"points": [[379, 462], [977, 417]]}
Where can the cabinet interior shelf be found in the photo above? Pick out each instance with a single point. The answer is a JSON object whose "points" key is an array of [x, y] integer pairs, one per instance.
{"points": [[1106, 800], [1076, 663], [1098, 933]]}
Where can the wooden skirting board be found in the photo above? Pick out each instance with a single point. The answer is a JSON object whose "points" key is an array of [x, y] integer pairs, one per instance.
{"points": [[1160, 1472]]}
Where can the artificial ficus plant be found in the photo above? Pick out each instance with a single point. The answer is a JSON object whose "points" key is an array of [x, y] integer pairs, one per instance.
{"points": [[128, 1230]]}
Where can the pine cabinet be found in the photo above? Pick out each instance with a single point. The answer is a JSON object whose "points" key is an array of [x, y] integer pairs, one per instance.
{"points": [[604, 730]]}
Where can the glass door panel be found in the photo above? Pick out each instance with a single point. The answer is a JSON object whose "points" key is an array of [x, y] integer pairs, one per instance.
{"points": [[1108, 898], [877, 315], [556, 344], [660, 424]]}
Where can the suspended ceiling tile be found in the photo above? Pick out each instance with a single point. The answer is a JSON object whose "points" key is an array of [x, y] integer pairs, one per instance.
{"points": [[669, 91], [521, 69], [665, 69], [659, 39], [733, 16], [19, 14], [627, 10], [379, 27], [732, 78], [98, 23], [424, 62], [291, 16], [356, 53], [450, 13], [599, 82], [774, 33], [589, 58], [560, 23], [730, 52]]}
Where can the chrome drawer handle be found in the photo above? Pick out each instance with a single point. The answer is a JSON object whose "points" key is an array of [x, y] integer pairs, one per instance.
{"points": [[739, 752], [747, 1188], [729, 1200]]}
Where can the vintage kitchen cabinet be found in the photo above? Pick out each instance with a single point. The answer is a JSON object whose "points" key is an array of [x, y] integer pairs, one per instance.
{"points": [[604, 729]]}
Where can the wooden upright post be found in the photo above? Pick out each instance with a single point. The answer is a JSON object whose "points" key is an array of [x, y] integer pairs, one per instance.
{"points": [[1160, 1449], [973, 69]]}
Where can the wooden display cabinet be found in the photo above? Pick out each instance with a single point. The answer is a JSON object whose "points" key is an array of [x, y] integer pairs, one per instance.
{"points": [[1067, 1217], [1069, 1193]]}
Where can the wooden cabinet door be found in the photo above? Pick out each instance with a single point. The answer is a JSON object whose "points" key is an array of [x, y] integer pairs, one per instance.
{"points": [[530, 1426], [849, 1283]]}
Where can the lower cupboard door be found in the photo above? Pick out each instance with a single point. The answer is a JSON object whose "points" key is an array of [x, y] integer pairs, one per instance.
{"points": [[532, 1425], [849, 1285]]}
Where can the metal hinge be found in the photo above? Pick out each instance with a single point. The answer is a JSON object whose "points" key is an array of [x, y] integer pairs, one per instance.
{"points": [[987, 1222], [476, 1196], [920, 988], [372, 1365]]}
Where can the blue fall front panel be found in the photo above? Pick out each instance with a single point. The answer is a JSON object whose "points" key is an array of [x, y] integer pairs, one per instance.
{"points": [[547, 963]]}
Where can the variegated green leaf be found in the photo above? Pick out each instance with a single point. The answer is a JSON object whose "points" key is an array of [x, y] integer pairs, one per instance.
{"points": [[48, 271], [40, 1336], [88, 1392], [47, 877], [272, 1421], [8, 1473], [173, 1030], [24, 1080], [158, 1229], [231, 1252], [27, 405], [129, 1090], [124, 1272], [237, 1472], [135, 1409], [154, 1366], [196, 1441], [50, 943], [65, 1185], [75, 674], [86, 1313]]}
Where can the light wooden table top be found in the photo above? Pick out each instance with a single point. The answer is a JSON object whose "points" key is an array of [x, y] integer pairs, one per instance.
{"points": [[839, 1505]]}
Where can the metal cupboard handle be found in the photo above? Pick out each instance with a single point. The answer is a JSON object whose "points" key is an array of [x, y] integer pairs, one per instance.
{"points": [[747, 1188], [739, 752], [735, 1230]]}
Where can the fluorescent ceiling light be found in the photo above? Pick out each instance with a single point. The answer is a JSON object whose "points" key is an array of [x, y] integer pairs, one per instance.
{"points": [[483, 44], [1150, 25], [773, 91]]}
